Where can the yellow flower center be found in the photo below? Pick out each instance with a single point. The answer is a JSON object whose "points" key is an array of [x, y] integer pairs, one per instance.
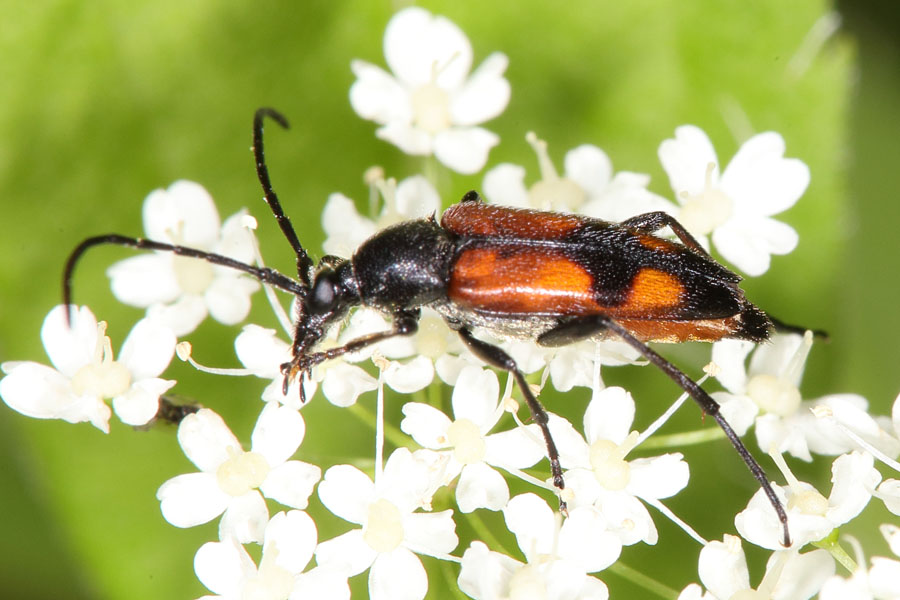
{"points": [[709, 209], [102, 377], [384, 527], [431, 108], [467, 442], [242, 472], [552, 192], [192, 274], [774, 395]]}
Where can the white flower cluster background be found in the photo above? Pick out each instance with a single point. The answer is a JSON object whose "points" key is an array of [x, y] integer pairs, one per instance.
{"points": [[412, 471]]}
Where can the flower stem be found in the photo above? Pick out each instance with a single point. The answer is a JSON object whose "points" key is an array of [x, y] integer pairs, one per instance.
{"points": [[687, 438], [641, 580], [831, 544], [392, 433]]}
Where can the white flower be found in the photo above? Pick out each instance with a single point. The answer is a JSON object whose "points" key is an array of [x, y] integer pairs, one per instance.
{"points": [[390, 531], [262, 352], [182, 290], [430, 105], [598, 474], [86, 373], [230, 479], [789, 575], [558, 557], [588, 185], [472, 452], [290, 538], [811, 516], [880, 582], [736, 207], [767, 392]]}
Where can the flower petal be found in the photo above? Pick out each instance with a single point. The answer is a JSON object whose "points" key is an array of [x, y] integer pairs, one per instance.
{"points": [[609, 415], [397, 575], [293, 535], [723, 567], [480, 486], [761, 180], [206, 439], [685, 159], [658, 477], [426, 424], [245, 518], [347, 492], [191, 499], [148, 349], [139, 405], [261, 351], [589, 167], [228, 298], [484, 96], [475, 397], [182, 316], [433, 534], [70, 347], [348, 553], [291, 483], [182, 214], [749, 243], [278, 433], [144, 280], [416, 198], [505, 184], [531, 520], [419, 46], [465, 150], [585, 541], [411, 376], [344, 383], [377, 96], [222, 566]]}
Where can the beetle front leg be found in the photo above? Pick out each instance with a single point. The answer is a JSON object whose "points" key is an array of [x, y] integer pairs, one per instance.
{"points": [[499, 359], [405, 323]]}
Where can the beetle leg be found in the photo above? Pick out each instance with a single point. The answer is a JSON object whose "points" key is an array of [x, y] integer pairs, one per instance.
{"points": [[585, 327], [499, 359], [652, 222], [405, 323]]}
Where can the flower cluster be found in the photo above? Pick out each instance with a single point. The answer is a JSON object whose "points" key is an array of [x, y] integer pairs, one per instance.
{"points": [[458, 461]]}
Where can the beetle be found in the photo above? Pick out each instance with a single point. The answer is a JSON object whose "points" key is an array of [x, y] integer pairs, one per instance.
{"points": [[549, 277]]}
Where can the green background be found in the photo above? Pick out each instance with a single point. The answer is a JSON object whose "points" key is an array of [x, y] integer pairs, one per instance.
{"points": [[104, 101]]}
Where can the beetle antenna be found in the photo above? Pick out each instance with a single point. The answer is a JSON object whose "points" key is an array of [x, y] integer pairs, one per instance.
{"points": [[304, 263], [264, 274]]}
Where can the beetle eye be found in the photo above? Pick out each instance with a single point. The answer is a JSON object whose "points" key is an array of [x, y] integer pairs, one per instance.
{"points": [[323, 295]]}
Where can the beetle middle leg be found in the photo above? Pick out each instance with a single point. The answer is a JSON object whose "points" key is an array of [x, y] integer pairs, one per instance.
{"points": [[499, 359], [652, 222], [581, 328]]}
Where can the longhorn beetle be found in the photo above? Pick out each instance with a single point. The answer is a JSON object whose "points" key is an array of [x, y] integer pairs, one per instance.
{"points": [[550, 277]]}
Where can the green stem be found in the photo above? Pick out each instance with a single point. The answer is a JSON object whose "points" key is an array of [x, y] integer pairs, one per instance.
{"points": [[392, 433], [687, 438], [831, 544], [484, 533], [641, 580], [436, 394]]}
